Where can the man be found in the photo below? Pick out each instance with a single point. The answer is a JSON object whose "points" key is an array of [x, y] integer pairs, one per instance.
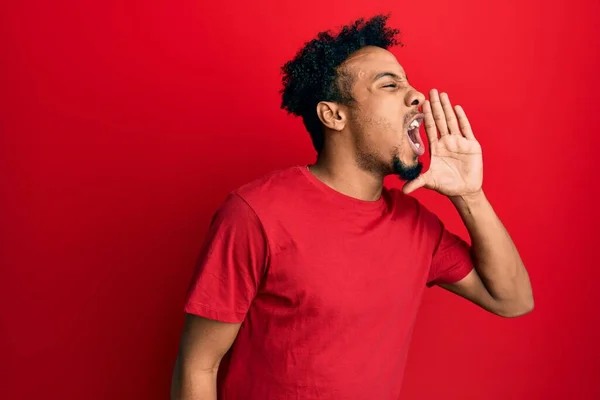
{"points": [[310, 279]]}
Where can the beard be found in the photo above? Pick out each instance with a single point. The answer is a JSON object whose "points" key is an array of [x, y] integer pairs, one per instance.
{"points": [[371, 161], [406, 172]]}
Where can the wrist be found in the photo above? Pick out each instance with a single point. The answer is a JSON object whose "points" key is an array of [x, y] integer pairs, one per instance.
{"points": [[469, 200]]}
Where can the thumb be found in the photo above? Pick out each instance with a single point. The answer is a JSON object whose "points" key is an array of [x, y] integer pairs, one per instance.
{"points": [[417, 183]]}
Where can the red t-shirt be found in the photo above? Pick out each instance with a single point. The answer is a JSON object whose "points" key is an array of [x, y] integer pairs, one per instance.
{"points": [[326, 287]]}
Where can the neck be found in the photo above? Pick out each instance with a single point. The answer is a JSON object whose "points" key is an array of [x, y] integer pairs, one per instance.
{"points": [[345, 176]]}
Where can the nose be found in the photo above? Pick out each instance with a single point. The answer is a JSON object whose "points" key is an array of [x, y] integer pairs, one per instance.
{"points": [[414, 98]]}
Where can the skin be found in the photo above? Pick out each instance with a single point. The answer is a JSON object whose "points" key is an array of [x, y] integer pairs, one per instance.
{"points": [[362, 141], [363, 137], [375, 125], [203, 344]]}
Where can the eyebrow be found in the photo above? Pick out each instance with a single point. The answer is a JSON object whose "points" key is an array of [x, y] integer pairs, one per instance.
{"points": [[390, 74]]}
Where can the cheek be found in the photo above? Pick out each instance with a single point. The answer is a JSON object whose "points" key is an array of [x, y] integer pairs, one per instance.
{"points": [[393, 120], [380, 128]]}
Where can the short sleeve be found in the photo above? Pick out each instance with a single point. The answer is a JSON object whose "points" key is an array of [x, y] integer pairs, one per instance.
{"points": [[451, 259], [231, 264]]}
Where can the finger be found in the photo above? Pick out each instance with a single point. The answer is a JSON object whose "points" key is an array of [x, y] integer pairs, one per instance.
{"points": [[417, 183], [438, 112], [463, 121], [451, 120], [429, 123]]}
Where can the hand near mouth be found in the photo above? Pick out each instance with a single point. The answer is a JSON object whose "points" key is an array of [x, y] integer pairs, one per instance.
{"points": [[456, 167]]}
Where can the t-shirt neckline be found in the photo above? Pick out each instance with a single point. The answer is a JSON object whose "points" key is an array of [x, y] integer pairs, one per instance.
{"points": [[341, 199]]}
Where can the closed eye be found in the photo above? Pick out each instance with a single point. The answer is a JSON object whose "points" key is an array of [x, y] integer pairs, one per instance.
{"points": [[392, 85]]}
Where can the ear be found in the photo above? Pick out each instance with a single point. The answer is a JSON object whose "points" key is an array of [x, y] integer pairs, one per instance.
{"points": [[332, 115]]}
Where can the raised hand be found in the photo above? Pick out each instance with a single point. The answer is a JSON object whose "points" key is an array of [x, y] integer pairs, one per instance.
{"points": [[456, 161]]}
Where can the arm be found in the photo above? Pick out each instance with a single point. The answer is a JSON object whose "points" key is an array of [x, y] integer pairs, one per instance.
{"points": [[204, 342], [499, 282], [226, 280]]}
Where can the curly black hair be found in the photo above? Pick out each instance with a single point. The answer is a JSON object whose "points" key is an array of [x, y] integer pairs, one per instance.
{"points": [[314, 75]]}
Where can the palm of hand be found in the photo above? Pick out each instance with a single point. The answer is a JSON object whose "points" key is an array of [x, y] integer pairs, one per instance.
{"points": [[456, 166]]}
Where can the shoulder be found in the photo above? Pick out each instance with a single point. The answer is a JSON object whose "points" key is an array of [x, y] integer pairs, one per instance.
{"points": [[269, 195], [250, 212], [412, 209], [403, 203], [272, 190]]}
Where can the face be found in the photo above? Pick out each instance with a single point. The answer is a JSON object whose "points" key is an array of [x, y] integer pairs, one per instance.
{"points": [[384, 118]]}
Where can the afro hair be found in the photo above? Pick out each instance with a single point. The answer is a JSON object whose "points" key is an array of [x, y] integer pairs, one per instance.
{"points": [[314, 74]]}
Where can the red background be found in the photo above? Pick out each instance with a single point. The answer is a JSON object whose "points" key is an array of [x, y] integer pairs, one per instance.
{"points": [[124, 125]]}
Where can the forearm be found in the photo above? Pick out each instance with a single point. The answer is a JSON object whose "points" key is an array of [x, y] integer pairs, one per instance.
{"points": [[495, 256], [193, 385]]}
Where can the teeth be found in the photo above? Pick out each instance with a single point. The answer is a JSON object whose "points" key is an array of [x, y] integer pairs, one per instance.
{"points": [[417, 145], [414, 124]]}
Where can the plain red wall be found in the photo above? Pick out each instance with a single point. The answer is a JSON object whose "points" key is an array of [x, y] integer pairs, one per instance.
{"points": [[124, 125]]}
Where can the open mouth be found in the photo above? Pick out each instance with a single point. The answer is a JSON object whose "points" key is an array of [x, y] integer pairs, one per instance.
{"points": [[414, 136]]}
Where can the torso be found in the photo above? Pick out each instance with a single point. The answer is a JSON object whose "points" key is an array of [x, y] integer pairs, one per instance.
{"points": [[335, 310]]}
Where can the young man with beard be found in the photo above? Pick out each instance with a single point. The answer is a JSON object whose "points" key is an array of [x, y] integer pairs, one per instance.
{"points": [[310, 278]]}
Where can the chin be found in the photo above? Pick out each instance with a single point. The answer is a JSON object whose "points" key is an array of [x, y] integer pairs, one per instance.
{"points": [[407, 171]]}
